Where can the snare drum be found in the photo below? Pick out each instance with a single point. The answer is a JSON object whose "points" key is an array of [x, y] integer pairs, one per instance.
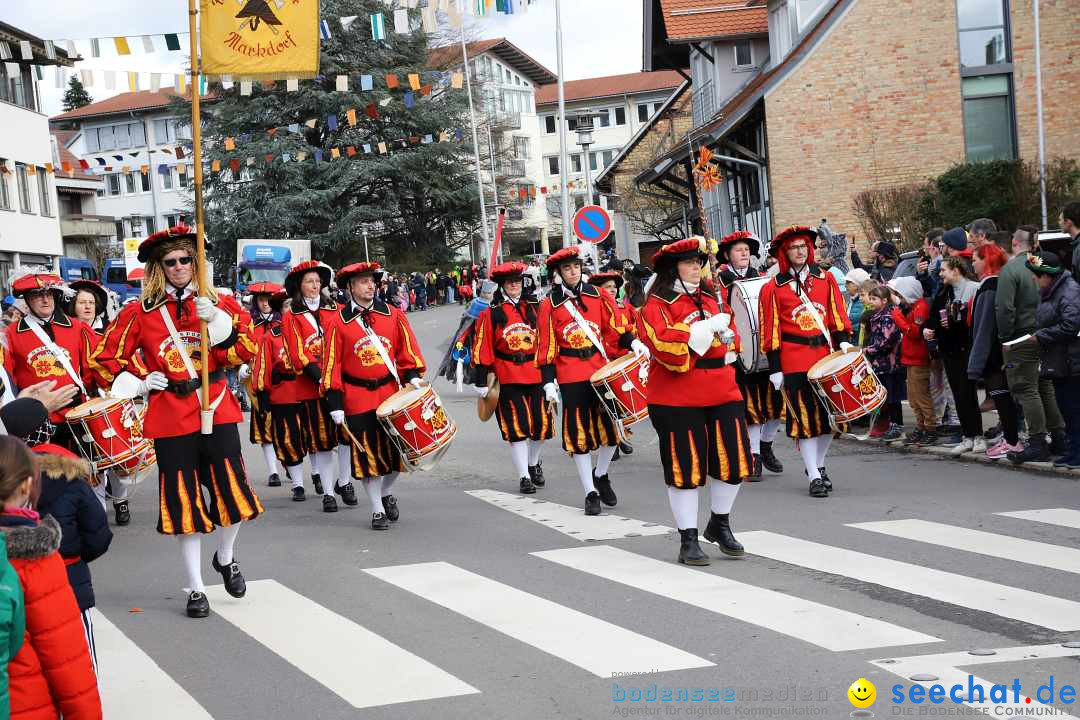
{"points": [[110, 434], [621, 386], [744, 309], [847, 385], [417, 425]]}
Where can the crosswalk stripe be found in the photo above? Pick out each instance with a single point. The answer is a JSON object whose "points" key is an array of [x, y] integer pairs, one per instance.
{"points": [[132, 685], [1065, 517], [568, 520], [588, 642], [363, 668], [1030, 552], [1031, 607], [821, 625]]}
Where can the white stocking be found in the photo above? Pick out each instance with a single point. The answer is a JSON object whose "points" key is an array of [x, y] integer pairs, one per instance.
{"points": [[102, 493], [534, 451], [344, 461], [583, 463], [191, 552], [373, 488], [603, 458], [823, 442], [684, 506], [271, 459], [326, 462], [314, 461], [120, 489], [519, 451], [754, 431], [722, 496], [808, 450], [769, 430], [226, 541], [388, 482], [296, 475]]}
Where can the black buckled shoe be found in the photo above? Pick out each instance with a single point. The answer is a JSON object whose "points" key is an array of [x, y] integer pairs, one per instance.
{"points": [[347, 492], [818, 489], [298, 494], [690, 552], [626, 448], [526, 486], [379, 522], [536, 474], [755, 469], [603, 486], [719, 531], [389, 504], [123, 512], [197, 605], [234, 581], [329, 504], [825, 479], [317, 482], [274, 480], [592, 503], [769, 459]]}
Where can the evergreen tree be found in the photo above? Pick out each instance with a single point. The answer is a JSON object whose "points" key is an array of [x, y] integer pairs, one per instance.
{"points": [[76, 95], [418, 200]]}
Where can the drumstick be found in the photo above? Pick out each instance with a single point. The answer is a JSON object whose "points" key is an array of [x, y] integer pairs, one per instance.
{"points": [[789, 406], [352, 438]]}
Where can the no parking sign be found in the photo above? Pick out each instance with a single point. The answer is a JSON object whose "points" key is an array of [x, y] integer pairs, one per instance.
{"points": [[592, 224]]}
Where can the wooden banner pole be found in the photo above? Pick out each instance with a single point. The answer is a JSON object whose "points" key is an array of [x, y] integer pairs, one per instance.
{"points": [[200, 233]]}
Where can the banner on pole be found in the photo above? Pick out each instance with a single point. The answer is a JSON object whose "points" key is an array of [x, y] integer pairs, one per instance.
{"points": [[259, 39]]}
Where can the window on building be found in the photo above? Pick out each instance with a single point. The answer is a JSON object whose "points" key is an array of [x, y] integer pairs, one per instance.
{"points": [[144, 181], [44, 192], [744, 53], [167, 180], [594, 160], [575, 163], [5, 193], [23, 180], [988, 127], [981, 26], [521, 147], [176, 219], [122, 136], [603, 118], [183, 179], [129, 183], [608, 156], [112, 184], [553, 165], [165, 131], [643, 112], [549, 124], [149, 225], [779, 32], [91, 138], [620, 115], [571, 123], [807, 11]]}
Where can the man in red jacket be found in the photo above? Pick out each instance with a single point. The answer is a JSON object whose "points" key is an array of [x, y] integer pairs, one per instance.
{"points": [[802, 319], [202, 478]]}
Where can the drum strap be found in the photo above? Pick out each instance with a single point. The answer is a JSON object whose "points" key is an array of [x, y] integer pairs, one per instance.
{"points": [[377, 342], [584, 326], [60, 355], [188, 365], [816, 315], [310, 316]]}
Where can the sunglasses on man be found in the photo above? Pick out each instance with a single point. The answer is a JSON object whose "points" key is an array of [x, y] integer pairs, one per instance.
{"points": [[172, 262]]}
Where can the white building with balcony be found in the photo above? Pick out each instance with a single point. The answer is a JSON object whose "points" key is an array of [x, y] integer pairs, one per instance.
{"points": [[29, 221]]}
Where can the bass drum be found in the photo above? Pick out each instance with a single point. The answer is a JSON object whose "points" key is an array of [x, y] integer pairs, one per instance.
{"points": [[744, 309]]}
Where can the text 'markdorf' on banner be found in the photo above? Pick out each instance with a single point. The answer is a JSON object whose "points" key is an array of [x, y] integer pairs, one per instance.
{"points": [[260, 39]]}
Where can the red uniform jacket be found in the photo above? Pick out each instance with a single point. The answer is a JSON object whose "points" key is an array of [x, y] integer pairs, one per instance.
{"points": [[564, 352], [28, 361], [355, 378], [677, 374], [913, 347], [789, 334], [304, 342], [139, 326], [272, 362], [505, 341]]}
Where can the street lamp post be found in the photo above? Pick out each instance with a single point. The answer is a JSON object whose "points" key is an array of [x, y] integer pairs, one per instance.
{"points": [[585, 140], [367, 258]]}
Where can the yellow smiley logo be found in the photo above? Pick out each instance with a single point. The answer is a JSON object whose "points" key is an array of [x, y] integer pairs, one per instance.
{"points": [[862, 693]]}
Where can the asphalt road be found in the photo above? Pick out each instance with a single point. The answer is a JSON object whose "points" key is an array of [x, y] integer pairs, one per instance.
{"points": [[479, 604]]}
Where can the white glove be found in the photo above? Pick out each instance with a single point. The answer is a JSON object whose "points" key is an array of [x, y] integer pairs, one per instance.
{"points": [[417, 382], [846, 347], [777, 379], [701, 336], [244, 372], [126, 386], [205, 308], [218, 323], [640, 349], [727, 336], [730, 357], [338, 416], [719, 323], [481, 391], [551, 392]]}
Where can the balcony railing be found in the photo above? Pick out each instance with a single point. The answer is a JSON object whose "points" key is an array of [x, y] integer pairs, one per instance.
{"points": [[512, 168], [704, 103], [507, 120], [76, 226]]}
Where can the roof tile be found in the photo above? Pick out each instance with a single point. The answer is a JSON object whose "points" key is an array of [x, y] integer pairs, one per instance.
{"points": [[696, 19], [629, 83], [122, 103]]}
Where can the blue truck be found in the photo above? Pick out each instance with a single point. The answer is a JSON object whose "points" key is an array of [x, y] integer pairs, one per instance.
{"points": [[268, 260]]}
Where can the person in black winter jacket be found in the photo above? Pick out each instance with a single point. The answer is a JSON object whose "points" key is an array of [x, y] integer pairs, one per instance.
{"points": [[1057, 320], [85, 535]]}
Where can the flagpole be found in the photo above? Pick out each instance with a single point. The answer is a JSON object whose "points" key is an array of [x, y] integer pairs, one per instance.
{"points": [[200, 237], [564, 190], [475, 139]]}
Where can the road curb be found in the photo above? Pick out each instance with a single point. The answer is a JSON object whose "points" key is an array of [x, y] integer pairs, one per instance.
{"points": [[945, 453]]}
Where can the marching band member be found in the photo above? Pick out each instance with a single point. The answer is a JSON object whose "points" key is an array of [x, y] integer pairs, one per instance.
{"points": [[577, 329], [505, 343], [202, 478], [802, 317], [274, 381], [261, 431], [609, 281], [370, 352], [694, 401], [764, 406], [310, 312]]}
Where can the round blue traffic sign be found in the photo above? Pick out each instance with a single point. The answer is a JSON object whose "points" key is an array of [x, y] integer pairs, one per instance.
{"points": [[592, 224]]}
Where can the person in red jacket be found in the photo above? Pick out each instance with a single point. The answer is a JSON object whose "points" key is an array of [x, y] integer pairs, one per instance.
{"points": [[52, 674], [370, 353], [802, 318], [694, 401], [261, 427], [504, 343], [201, 473], [609, 281], [305, 321], [578, 331], [910, 315], [275, 382]]}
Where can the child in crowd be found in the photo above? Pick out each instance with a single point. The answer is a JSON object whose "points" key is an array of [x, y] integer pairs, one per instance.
{"points": [[864, 296], [882, 345], [853, 282], [910, 316]]}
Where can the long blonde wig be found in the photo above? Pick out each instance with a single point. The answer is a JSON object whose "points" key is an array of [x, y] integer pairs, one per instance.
{"points": [[154, 280]]}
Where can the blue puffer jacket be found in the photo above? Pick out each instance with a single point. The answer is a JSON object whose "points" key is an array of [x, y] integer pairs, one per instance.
{"points": [[85, 534]]}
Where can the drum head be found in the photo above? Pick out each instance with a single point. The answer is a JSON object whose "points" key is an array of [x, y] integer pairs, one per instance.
{"points": [[93, 406], [832, 364], [744, 310], [617, 365], [403, 398]]}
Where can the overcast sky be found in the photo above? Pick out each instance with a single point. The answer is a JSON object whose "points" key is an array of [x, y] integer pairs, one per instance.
{"points": [[600, 37]]}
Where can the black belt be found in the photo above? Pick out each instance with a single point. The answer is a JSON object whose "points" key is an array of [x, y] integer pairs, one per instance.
{"points": [[365, 383], [584, 353], [812, 341], [516, 358], [183, 388], [710, 363]]}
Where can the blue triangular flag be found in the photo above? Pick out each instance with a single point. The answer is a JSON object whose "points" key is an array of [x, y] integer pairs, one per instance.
{"points": [[286, 157], [410, 100], [294, 128], [318, 156], [366, 82], [331, 122], [367, 148]]}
